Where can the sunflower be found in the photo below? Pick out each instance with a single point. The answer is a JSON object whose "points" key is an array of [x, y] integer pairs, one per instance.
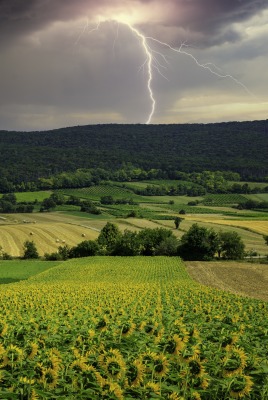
{"points": [[105, 354], [3, 329], [174, 345], [31, 350], [195, 396], [127, 328], [135, 374], [161, 365], [79, 365], [229, 341], [111, 388], [2, 374], [49, 378], [102, 324], [26, 381], [174, 396], [189, 352], [115, 367], [234, 362], [91, 333], [152, 387], [196, 368], [52, 360], [240, 386], [14, 354], [181, 331], [148, 360], [38, 371], [3, 357], [33, 395]]}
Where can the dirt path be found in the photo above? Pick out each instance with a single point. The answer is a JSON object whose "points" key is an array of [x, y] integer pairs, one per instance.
{"points": [[240, 278]]}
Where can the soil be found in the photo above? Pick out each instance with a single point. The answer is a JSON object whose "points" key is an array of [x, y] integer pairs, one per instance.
{"points": [[246, 279]]}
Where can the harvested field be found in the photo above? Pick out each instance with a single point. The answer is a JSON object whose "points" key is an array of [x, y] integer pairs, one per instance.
{"points": [[260, 227], [47, 236], [240, 278]]}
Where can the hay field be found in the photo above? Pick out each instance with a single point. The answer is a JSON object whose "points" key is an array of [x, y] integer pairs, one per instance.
{"points": [[47, 236]]}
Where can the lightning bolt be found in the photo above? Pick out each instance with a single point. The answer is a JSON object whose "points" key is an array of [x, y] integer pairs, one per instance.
{"points": [[152, 62]]}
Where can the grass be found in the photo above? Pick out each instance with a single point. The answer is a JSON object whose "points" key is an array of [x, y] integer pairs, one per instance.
{"points": [[17, 270], [223, 199], [32, 196]]}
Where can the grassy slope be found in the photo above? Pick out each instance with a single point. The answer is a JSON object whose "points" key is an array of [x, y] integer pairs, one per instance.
{"points": [[16, 270]]}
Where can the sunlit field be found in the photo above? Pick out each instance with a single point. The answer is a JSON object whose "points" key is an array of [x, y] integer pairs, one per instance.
{"points": [[124, 328]]}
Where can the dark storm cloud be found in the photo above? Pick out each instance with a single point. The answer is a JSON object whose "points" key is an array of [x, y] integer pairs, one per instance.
{"points": [[210, 19]]}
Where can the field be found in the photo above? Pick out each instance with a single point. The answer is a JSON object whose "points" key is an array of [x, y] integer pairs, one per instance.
{"points": [[13, 271], [240, 278], [67, 224], [124, 328], [47, 231]]}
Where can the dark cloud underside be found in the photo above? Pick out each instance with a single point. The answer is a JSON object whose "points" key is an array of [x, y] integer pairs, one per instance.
{"points": [[206, 17]]}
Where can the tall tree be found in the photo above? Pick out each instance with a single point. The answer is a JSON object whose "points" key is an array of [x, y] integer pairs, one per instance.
{"points": [[108, 237], [231, 246], [30, 250], [199, 243]]}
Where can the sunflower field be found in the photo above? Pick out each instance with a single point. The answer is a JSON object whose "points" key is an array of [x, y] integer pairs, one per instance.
{"points": [[129, 328]]}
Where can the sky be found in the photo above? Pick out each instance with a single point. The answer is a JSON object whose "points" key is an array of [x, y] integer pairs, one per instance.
{"points": [[79, 62]]}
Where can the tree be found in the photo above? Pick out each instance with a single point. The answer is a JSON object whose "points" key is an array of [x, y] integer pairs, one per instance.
{"points": [[168, 247], [198, 244], [86, 248], [177, 222], [152, 238], [47, 204], [30, 250], [108, 237], [64, 252], [127, 244], [107, 200], [231, 246], [265, 237], [10, 197]]}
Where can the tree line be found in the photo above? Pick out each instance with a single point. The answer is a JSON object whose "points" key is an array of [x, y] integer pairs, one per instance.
{"points": [[198, 244]]}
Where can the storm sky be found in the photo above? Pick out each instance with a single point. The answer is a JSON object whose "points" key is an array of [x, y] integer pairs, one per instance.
{"points": [[77, 62]]}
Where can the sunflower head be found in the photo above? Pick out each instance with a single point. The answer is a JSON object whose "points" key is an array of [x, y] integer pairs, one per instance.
{"points": [[234, 362], [31, 350], [241, 386], [115, 367], [161, 365], [49, 378], [14, 354], [135, 373]]}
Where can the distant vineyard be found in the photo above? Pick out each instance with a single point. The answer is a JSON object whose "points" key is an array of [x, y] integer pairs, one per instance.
{"points": [[129, 328], [96, 192], [223, 199]]}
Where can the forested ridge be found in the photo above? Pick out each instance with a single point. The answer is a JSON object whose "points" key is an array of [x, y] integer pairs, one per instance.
{"points": [[233, 146]]}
